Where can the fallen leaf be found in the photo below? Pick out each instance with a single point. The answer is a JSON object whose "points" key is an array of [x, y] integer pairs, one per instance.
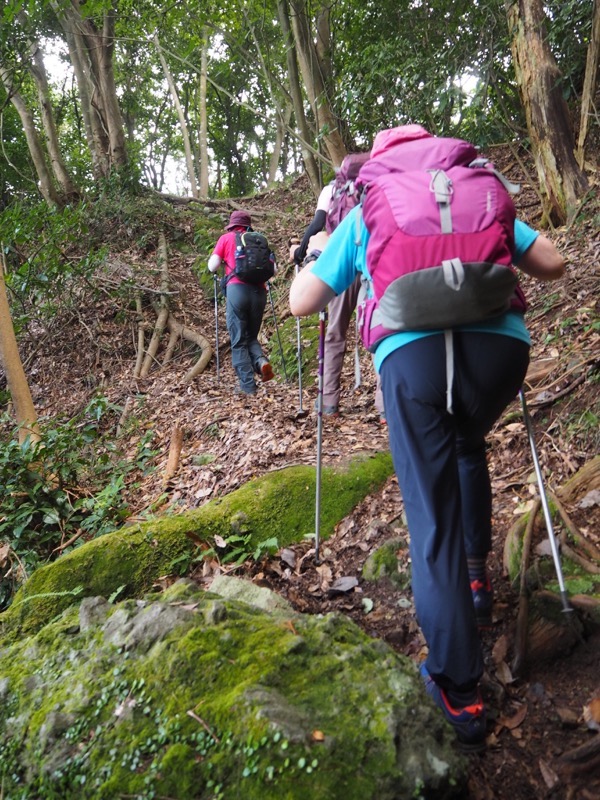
{"points": [[220, 541], [504, 674], [500, 650], [550, 777], [288, 556], [591, 714], [344, 584], [514, 427], [567, 717], [591, 499], [513, 722]]}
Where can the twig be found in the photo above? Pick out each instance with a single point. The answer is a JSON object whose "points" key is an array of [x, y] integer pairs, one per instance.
{"points": [[589, 547], [68, 543], [141, 336], [547, 401], [123, 417], [195, 716]]}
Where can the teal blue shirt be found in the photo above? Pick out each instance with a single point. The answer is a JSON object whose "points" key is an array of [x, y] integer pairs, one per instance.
{"points": [[346, 255]]}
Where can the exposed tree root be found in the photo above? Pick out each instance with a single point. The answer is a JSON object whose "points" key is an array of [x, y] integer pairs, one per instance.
{"points": [[165, 321], [174, 455], [520, 646]]}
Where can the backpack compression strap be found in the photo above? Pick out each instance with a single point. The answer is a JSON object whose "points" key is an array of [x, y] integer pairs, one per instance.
{"points": [[453, 269]]}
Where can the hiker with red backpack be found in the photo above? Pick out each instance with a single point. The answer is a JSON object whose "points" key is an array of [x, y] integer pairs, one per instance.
{"points": [[334, 202], [249, 263], [435, 238]]}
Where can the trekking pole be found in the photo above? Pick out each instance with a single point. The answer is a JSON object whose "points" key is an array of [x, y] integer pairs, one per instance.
{"points": [[544, 501], [322, 326], [299, 356], [216, 326], [357, 372], [277, 331]]}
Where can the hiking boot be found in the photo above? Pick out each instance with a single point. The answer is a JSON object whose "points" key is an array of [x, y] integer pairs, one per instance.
{"points": [[266, 370], [328, 411], [468, 722], [239, 390], [483, 599]]}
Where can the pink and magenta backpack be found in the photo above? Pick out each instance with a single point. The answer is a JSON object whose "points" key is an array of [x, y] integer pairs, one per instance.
{"points": [[345, 193], [441, 225]]}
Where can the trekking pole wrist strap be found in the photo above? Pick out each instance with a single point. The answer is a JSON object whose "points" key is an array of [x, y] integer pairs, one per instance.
{"points": [[312, 256]]}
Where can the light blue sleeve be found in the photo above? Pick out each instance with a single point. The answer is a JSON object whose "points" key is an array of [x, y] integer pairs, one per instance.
{"points": [[337, 266], [524, 238]]}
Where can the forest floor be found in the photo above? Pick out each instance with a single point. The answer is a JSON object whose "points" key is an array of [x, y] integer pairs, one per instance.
{"points": [[535, 719]]}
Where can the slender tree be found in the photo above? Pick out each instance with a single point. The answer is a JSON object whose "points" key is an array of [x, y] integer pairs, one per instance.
{"points": [[203, 131], [187, 147], [25, 413], [310, 163], [316, 79], [59, 169], [34, 142]]}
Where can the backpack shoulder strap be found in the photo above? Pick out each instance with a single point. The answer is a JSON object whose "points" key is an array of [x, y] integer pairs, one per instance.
{"points": [[512, 188]]}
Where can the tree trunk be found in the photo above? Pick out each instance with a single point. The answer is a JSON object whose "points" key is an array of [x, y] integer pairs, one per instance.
{"points": [[57, 163], [13, 367], [114, 120], [315, 82], [562, 183], [189, 160], [203, 133], [91, 54], [589, 84], [283, 121], [97, 140], [38, 156], [310, 163], [38, 72]]}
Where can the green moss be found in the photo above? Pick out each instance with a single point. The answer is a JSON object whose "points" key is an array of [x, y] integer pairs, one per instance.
{"points": [[221, 710], [383, 563], [280, 505]]}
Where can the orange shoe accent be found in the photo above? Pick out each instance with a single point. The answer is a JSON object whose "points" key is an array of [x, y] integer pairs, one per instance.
{"points": [[476, 709], [266, 372]]}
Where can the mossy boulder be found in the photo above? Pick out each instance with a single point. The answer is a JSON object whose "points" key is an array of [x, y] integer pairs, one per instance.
{"points": [[279, 505], [192, 695]]}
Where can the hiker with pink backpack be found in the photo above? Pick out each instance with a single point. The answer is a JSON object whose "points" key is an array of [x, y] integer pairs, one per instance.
{"points": [[334, 202], [435, 239]]}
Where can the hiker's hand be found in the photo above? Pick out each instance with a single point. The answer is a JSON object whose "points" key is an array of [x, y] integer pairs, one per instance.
{"points": [[318, 241], [293, 244]]}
